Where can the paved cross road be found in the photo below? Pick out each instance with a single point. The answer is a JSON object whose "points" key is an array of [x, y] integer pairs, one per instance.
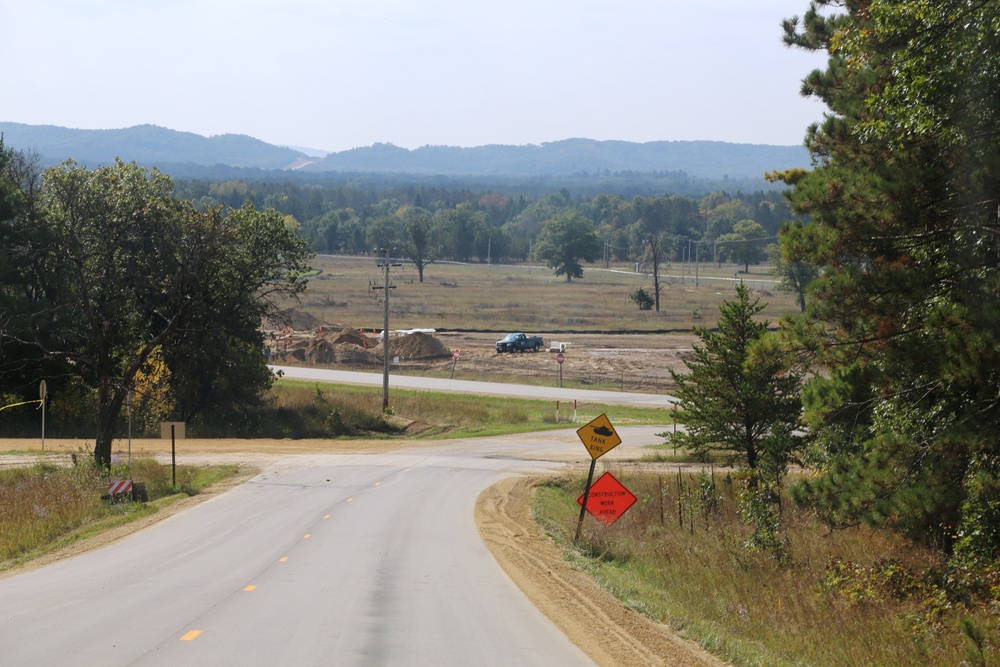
{"points": [[319, 560], [472, 387]]}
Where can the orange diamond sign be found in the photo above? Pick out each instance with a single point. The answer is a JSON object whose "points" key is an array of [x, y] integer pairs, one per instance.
{"points": [[599, 437], [608, 499]]}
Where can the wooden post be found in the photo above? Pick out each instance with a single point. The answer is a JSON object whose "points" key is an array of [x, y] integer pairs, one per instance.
{"points": [[660, 480], [173, 456], [680, 499]]}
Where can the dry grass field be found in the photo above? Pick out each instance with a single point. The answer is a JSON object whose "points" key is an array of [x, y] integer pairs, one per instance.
{"points": [[502, 298], [612, 344]]}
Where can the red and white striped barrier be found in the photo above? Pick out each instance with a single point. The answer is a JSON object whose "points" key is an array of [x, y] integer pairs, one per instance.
{"points": [[116, 486]]}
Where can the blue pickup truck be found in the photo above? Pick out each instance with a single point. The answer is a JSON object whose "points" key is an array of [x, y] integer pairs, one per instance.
{"points": [[518, 342]]}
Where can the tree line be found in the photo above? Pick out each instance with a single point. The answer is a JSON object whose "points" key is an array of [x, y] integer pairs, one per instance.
{"points": [[430, 223], [127, 290]]}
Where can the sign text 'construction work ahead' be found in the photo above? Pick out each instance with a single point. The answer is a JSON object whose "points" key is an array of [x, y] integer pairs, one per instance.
{"points": [[599, 437], [608, 499]]}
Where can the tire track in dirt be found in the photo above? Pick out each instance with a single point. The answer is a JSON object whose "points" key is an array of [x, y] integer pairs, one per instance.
{"points": [[593, 619]]}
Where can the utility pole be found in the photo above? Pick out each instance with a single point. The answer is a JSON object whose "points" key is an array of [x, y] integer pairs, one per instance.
{"points": [[696, 244], [689, 258], [386, 288]]}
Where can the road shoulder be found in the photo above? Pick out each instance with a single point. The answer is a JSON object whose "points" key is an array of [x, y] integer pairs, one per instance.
{"points": [[592, 618]]}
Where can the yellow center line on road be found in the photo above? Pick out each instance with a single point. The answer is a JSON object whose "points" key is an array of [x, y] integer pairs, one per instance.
{"points": [[250, 588], [283, 559], [377, 484], [350, 500], [191, 636], [306, 536], [327, 516]]}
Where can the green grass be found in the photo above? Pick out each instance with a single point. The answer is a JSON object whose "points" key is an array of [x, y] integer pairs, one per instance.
{"points": [[451, 415], [854, 597]]}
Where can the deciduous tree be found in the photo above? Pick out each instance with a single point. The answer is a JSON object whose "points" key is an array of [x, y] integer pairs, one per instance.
{"points": [[120, 269], [788, 257], [565, 241], [418, 244], [745, 245], [654, 249]]}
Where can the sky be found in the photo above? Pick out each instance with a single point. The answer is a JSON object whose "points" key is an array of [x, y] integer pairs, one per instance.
{"points": [[340, 74]]}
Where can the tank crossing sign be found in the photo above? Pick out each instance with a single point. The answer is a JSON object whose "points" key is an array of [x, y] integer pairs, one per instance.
{"points": [[599, 437]]}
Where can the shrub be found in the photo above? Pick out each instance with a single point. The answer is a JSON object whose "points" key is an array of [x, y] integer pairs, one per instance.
{"points": [[642, 298]]}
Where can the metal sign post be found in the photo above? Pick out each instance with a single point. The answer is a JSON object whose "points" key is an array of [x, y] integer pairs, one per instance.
{"points": [[583, 504]]}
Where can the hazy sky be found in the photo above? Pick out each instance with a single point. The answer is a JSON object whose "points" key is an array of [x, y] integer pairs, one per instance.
{"points": [[337, 74]]}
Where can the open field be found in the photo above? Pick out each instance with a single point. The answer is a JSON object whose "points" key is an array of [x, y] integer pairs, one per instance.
{"points": [[611, 343], [502, 298]]}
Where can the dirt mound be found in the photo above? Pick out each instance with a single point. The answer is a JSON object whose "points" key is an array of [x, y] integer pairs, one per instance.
{"points": [[352, 354], [347, 336], [418, 345], [346, 347]]}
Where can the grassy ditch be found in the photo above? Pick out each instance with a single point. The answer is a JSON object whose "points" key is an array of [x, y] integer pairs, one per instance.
{"points": [[854, 597], [303, 409], [46, 507]]}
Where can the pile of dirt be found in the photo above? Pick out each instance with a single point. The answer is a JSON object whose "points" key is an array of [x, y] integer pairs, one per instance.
{"points": [[418, 345], [345, 336], [346, 346], [354, 356], [324, 345]]}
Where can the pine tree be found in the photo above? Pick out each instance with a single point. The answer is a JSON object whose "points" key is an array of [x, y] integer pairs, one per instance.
{"points": [[739, 396], [904, 318]]}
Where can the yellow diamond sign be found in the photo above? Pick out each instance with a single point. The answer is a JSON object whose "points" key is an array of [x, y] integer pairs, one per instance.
{"points": [[599, 437]]}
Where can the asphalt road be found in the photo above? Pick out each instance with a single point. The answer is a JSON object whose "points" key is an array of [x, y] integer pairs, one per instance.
{"points": [[320, 560], [471, 387]]}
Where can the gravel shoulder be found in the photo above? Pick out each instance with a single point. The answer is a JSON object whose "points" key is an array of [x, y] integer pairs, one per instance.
{"points": [[593, 619]]}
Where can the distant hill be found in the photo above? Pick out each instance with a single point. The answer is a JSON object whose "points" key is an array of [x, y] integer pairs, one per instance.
{"points": [[704, 159], [148, 145], [156, 146]]}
